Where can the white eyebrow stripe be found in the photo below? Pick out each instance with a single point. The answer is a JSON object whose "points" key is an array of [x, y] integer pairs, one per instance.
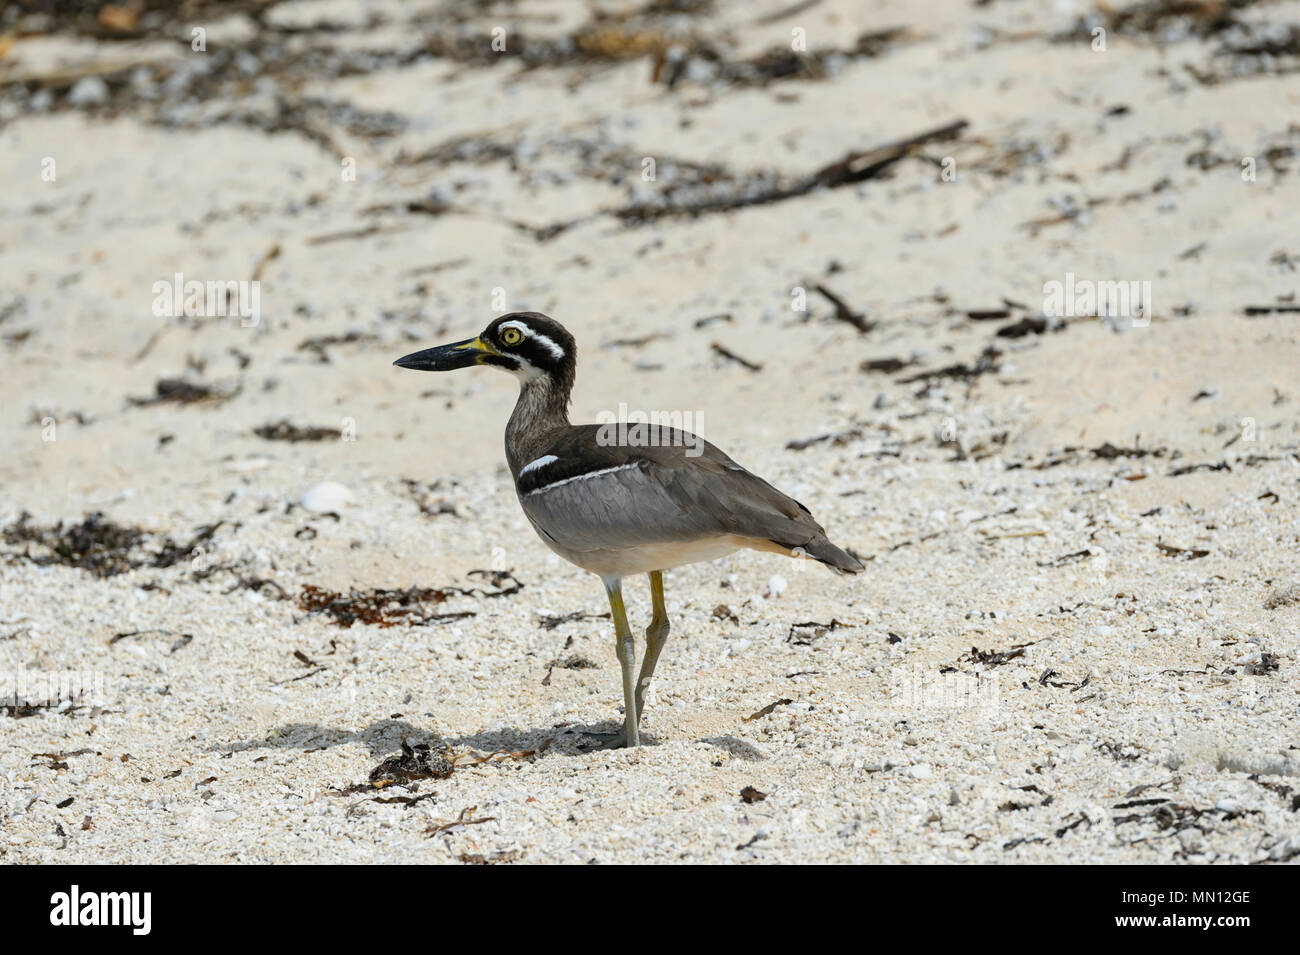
{"points": [[541, 462], [581, 477], [523, 329]]}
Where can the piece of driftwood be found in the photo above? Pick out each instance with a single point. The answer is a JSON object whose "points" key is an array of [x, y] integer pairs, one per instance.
{"points": [[853, 168]]}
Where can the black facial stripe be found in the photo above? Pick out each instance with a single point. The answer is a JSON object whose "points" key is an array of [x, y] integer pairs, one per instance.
{"points": [[501, 361], [536, 354]]}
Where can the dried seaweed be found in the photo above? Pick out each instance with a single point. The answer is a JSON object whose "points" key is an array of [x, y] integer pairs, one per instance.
{"points": [[283, 430], [648, 33], [988, 314], [1193, 468], [426, 499], [1120, 752], [503, 581], [1167, 20], [182, 392], [885, 365], [842, 311], [1179, 816], [318, 345], [407, 607], [496, 858], [550, 622], [767, 710], [134, 20], [986, 363], [1029, 325], [777, 63], [837, 439], [575, 661], [382, 608], [20, 710], [1252, 311], [407, 801], [1065, 559], [684, 187], [414, 762], [1079, 820], [732, 356], [1020, 841], [1186, 553], [1109, 452], [804, 634], [995, 658], [466, 818], [725, 193], [123, 634], [259, 585], [99, 545]]}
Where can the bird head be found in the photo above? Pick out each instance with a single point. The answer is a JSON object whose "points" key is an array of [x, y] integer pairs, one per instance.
{"points": [[530, 345]]}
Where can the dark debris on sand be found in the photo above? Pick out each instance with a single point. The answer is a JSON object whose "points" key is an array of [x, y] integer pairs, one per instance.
{"points": [[285, 430], [415, 762], [381, 608], [99, 545], [182, 392], [409, 606]]}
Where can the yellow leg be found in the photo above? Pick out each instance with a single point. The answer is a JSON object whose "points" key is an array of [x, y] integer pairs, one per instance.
{"points": [[625, 648], [656, 636]]}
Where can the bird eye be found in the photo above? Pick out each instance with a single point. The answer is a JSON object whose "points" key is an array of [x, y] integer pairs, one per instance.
{"points": [[512, 336]]}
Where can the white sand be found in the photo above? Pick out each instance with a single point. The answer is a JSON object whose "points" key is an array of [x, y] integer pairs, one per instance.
{"points": [[244, 763]]}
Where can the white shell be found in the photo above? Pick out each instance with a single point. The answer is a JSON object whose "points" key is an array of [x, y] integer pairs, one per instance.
{"points": [[326, 496]]}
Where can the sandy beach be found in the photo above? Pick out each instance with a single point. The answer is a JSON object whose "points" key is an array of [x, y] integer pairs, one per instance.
{"points": [[1076, 637]]}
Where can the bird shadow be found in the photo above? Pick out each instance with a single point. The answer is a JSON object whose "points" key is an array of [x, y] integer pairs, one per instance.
{"points": [[385, 737]]}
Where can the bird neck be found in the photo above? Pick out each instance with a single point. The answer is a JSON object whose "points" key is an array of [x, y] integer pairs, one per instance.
{"points": [[542, 409]]}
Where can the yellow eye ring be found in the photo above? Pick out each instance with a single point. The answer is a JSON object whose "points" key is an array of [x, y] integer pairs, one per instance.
{"points": [[511, 336]]}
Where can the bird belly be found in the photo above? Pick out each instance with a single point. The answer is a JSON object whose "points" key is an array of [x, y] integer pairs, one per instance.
{"points": [[646, 556]]}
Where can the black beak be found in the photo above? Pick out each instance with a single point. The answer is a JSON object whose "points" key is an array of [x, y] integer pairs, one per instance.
{"points": [[444, 357]]}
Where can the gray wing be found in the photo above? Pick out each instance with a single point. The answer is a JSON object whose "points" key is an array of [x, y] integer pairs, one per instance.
{"points": [[598, 496]]}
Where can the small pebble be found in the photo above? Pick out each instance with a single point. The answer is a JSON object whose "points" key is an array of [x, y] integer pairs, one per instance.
{"points": [[88, 91]]}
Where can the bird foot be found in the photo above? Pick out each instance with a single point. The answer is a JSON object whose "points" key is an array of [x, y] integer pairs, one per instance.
{"points": [[615, 740]]}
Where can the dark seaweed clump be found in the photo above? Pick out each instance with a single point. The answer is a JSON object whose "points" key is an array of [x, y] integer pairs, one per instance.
{"points": [[98, 545]]}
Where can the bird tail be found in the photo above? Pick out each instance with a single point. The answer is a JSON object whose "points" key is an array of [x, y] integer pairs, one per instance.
{"points": [[819, 549], [838, 560]]}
